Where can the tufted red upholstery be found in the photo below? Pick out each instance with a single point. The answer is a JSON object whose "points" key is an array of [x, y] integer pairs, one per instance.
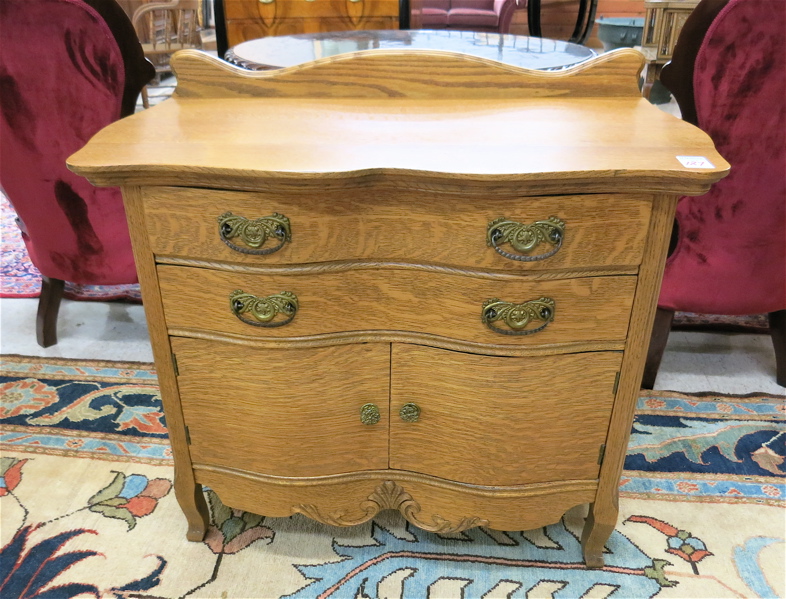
{"points": [[730, 256], [62, 78]]}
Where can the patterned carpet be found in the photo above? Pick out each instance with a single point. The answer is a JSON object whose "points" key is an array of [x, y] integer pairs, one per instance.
{"points": [[88, 510]]}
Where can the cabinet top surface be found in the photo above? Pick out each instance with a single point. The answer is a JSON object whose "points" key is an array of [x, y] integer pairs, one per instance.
{"points": [[387, 116]]}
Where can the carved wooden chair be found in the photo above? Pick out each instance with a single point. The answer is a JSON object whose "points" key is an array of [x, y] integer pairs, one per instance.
{"points": [[729, 253], [68, 68], [164, 28]]}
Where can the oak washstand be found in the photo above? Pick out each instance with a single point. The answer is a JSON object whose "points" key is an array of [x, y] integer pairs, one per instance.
{"points": [[403, 280]]}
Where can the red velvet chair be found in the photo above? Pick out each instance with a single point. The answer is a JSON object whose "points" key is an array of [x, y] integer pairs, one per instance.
{"points": [[470, 15], [67, 69], [729, 255]]}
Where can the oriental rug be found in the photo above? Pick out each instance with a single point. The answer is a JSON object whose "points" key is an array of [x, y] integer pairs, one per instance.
{"points": [[88, 510]]}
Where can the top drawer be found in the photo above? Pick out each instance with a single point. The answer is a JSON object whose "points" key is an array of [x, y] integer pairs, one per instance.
{"points": [[397, 226]]}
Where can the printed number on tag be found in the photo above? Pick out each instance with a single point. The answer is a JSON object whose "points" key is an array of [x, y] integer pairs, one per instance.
{"points": [[695, 162]]}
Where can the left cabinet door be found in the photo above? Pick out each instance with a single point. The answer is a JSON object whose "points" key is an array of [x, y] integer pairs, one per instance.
{"points": [[285, 412]]}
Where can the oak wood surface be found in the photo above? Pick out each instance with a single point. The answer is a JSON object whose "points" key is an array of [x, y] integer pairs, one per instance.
{"points": [[393, 117], [605, 509], [281, 9], [188, 494], [439, 505], [399, 225], [448, 305], [501, 421], [350, 337], [250, 19], [284, 412], [371, 133], [239, 31]]}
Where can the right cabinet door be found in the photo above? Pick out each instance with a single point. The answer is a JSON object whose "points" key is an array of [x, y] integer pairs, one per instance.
{"points": [[499, 421]]}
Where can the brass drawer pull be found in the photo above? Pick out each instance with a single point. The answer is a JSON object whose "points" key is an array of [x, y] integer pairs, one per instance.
{"points": [[518, 316], [254, 233], [525, 238], [409, 412], [263, 309], [369, 414]]}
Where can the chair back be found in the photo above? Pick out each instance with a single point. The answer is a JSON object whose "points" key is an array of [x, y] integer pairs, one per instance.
{"points": [[730, 254], [64, 77], [166, 27]]}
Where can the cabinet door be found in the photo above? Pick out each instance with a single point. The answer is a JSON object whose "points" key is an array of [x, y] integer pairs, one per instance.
{"points": [[496, 421], [284, 412]]}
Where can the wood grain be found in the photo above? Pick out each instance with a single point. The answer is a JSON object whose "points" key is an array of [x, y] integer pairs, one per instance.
{"points": [[390, 225], [284, 412], [410, 74], [287, 9], [344, 498], [346, 338], [605, 509], [250, 19], [188, 493], [587, 309], [405, 119], [426, 147], [501, 421], [239, 31]]}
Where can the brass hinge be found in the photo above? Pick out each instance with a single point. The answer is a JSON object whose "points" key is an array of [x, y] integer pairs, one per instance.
{"points": [[174, 365], [616, 383], [601, 454], [188, 436]]}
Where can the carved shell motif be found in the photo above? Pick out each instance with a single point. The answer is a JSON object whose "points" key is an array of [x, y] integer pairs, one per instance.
{"points": [[390, 496]]}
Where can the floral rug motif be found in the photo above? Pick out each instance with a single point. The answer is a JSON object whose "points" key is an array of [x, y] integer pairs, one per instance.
{"points": [[88, 510], [19, 278]]}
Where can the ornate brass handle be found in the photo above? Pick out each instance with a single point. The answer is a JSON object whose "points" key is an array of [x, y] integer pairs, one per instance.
{"points": [[518, 316], [409, 412], [369, 414], [263, 309], [254, 233], [525, 238]]}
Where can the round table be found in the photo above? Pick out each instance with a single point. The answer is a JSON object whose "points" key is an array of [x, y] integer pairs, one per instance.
{"points": [[522, 51]]}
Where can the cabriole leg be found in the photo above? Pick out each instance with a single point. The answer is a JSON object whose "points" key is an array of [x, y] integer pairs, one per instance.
{"points": [[192, 501]]}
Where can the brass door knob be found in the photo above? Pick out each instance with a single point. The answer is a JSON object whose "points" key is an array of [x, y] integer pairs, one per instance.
{"points": [[369, 414], [409, 412]]}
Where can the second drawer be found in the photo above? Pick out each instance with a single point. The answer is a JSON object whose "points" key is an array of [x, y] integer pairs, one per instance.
{"points": [[438, 303]]}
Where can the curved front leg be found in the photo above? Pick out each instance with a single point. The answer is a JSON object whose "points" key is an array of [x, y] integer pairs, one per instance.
{"points": [[598, 527], [191, 498]]}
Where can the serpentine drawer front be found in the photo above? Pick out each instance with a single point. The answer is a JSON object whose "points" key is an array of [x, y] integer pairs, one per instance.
{"points": [[437, 303], [401, 280], [596, 231]]}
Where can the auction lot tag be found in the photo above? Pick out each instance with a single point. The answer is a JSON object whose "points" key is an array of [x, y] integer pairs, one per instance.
{"points": [[695, 162]]}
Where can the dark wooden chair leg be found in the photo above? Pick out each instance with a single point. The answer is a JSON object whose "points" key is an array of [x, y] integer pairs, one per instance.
{"points": [[48, 307], [660, 335], [778, 334]]}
